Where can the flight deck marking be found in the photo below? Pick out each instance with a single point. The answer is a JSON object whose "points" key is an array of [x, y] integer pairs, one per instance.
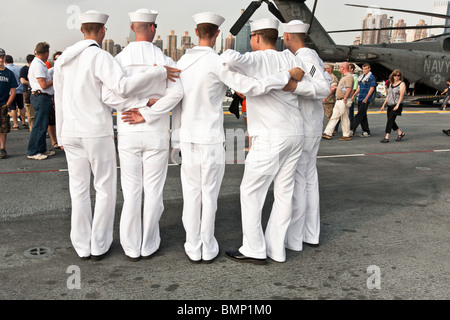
{"points": [[318, 157]]}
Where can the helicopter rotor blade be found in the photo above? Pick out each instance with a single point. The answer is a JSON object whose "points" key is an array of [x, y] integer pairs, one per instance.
{"points": [[435, 15], [246, 15], [274, 10], [390, 28], [312, 16]]}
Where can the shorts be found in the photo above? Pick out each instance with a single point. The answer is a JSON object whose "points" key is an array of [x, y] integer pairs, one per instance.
{"points": [[5, 124], [18, 102]]}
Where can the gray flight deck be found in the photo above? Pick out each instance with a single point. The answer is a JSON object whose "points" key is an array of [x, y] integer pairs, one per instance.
{"points": [[385, 228]]}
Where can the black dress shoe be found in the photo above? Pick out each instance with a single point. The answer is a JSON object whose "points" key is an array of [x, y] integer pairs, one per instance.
{"points": [[447, 132], [99, 257], [150, 255], [237, 256], [311, 244], [193, 261], [210, 260], [133, 259]]}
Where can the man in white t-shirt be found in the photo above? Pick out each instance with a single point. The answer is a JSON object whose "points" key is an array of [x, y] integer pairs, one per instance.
{"points": [[41, 100]]}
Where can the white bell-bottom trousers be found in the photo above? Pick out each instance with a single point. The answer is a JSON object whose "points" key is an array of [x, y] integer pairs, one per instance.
{"points": [[92, 233], [305, 222], [143, 170], [202, 170], [269, 160]]}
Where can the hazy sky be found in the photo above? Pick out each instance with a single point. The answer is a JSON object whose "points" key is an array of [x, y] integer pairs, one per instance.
{"points": [[24, 23]]}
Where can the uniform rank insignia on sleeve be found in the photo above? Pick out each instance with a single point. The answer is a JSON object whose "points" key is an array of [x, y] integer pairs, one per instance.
{"points": [[312, 71]]}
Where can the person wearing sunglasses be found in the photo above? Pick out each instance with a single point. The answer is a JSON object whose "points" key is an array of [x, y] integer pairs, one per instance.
{"points": [[393, 101]]}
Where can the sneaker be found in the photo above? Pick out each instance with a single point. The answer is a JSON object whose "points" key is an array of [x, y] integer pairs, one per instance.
{"points": [[345, 139], [49, 153], [3, 154], [325, 136], [38, 156], [351, 133], [364, 134]]}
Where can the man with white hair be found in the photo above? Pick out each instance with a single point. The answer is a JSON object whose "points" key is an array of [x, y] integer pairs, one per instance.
{"points": [[144, 147], [85, 130], [275, 124], [305, 222]]}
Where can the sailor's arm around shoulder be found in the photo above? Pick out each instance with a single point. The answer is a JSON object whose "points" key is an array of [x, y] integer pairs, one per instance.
{"points": [[314, 85], [109, 72], [243, 63], [250, 86]]}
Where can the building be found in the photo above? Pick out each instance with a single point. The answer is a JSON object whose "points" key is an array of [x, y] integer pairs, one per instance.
{"points": [[219, 43], [229, 43], [158, 42], [280, 46], [108, 45], [420, 33], [186, 43], [242, 38], [117, 48], [171, 49], [440, 7], [186, 39], [373, 21], [399, 35]]}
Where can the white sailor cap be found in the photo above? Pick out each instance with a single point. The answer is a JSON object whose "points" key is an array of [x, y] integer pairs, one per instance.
{"points": [[266, 23], [143, 15], [208, 17], [93, 16], [295, 26]]}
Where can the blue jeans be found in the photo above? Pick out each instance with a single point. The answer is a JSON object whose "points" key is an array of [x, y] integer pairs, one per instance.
{"points": [[37, 143]]}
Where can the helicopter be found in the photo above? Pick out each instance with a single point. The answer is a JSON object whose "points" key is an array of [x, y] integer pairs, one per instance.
{"points": [[425, 62]]}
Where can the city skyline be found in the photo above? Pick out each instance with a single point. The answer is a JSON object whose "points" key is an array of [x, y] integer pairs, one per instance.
{"points": [[54, 21], [241, 43]]}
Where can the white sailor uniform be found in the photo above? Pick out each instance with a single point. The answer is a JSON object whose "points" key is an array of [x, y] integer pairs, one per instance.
{"points": [[85, 129], [144, 151], [201, 135], [276, 126], [305, 221]]}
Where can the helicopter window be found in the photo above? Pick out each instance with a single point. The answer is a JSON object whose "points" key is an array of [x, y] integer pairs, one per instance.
{"points": [[446, 44]]}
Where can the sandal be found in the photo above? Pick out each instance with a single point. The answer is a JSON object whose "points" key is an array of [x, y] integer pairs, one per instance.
{"points": [[400, 136], [55, 146], [384, 140]]}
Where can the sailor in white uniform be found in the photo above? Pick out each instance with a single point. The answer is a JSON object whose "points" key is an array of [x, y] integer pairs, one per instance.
{"points": [[276, 126], [85, 131], [201, 134], [305, 221], [144, 147]]}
